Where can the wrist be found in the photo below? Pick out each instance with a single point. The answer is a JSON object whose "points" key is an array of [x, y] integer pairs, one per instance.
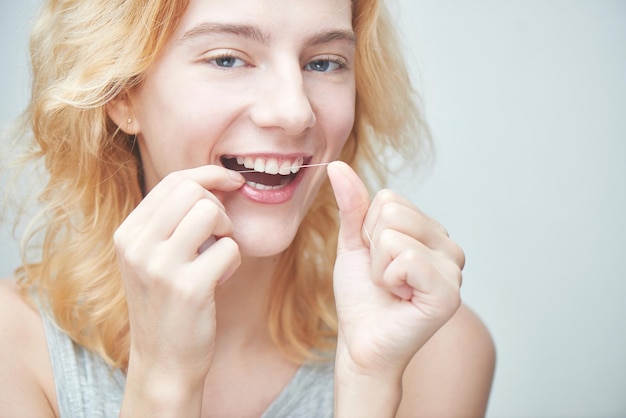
{"points": [[365, 392], [362, 363], [160, 392], [366, 396]]}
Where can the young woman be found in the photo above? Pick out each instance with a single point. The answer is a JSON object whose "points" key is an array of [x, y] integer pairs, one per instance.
{"points": [[194, 260]]}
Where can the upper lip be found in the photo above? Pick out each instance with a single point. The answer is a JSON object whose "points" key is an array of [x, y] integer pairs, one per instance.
{"points": [[284, 164]]}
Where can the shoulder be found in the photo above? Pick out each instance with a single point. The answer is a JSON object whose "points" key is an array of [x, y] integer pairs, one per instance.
{"points": [[451, 375], [26, 383]]}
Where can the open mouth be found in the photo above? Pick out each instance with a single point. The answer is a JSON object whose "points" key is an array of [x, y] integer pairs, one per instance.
{"points": [[266, 173]]}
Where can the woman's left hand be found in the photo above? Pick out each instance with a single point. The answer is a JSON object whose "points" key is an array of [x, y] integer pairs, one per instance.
{"points": [[397, 278]]}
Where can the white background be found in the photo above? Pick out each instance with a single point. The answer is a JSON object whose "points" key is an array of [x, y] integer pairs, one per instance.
{"points": [[527, 104]]}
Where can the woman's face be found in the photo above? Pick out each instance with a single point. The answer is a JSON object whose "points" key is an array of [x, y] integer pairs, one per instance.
{"points": [[265, 84]]}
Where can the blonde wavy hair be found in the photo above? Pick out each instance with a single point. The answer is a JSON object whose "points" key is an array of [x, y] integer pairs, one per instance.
{"points": [[85, 53]]}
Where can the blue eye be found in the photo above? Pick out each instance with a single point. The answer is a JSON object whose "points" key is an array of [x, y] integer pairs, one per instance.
{"points": [[323, 66], [227, 61]]}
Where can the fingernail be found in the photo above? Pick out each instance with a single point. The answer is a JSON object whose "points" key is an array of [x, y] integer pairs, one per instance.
{"points": [[236, 176]]}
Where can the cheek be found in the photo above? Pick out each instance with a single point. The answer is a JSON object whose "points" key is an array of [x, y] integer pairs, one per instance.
{"points": [[336, 113], [184, 128]]}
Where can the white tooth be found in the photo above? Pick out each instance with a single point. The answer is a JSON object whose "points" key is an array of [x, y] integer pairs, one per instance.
{"points": [[285, 168], [300, 161], [240, 160], [258, 186], [248, 162], [271, 166], [259, 165], [295, 166], [264, 187]]}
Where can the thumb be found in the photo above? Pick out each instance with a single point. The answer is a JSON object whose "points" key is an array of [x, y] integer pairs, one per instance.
{"points": [[353, 201]]}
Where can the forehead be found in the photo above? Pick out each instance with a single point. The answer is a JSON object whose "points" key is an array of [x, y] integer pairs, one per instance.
{"points": [[274, 17]]}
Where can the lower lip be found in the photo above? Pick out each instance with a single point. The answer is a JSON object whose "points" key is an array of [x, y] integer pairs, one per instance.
{"points": [[272, 197]]}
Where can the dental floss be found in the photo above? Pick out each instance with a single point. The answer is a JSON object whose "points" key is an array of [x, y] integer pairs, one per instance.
{"points": [[372, 246], [300, 166]]}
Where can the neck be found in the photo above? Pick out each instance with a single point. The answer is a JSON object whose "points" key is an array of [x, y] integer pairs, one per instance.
{"points": [[241, 304]]}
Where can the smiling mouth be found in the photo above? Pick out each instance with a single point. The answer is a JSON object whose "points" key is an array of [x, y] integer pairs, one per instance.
{"points": [[268, 173]]}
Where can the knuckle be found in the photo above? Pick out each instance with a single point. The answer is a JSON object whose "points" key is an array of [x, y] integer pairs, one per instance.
{"points": [[208, 207], [183, 184], [386, 237], [458, 255], [174, 177], [458, 277], [153, 270], [384, 197], [232, 248], [131, 255], [201, 206], [119, 238], [454, 275], [411, 256], [390, 212], [442, 229], [191, 189], [461, 259]]}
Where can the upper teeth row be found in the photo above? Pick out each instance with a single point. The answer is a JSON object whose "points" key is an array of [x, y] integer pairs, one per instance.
{"points": [[271, 165]]}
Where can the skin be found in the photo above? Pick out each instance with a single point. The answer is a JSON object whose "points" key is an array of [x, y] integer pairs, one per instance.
{"points": [[269, 102], [406, 346]]}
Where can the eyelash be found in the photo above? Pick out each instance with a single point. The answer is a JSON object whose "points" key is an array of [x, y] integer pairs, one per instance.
{"points": [[225, 56], [339, 62]]}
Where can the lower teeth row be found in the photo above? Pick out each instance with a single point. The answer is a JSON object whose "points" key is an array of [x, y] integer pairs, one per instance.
{"points": [[260, 186]]}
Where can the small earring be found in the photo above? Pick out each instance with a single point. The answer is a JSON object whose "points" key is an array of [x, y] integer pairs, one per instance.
{"points": [[129, 121]]}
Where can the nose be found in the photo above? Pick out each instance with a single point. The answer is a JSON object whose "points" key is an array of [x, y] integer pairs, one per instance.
{"points": [[282, 102]]}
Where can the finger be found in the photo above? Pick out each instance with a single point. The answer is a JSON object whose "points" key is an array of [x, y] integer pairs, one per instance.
{"points": [[415, 274], [206, 244], [386, 198], [392, 212], [216, 178], [154, 221], [404, 265], [353, 201], [432, 288], [172, 209], [204, 219], [217, 263], [156, 217], [389, 245], [210, 177]]}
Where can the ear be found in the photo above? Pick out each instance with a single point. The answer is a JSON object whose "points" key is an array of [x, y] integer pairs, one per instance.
{"points": [[120, 110]]}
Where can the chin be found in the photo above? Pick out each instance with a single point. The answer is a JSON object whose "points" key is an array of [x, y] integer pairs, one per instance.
{"points": [[262, 249], [266, 241]]}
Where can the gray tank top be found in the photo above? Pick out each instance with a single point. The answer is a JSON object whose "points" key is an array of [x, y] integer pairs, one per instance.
{"points": [[87, 387]]}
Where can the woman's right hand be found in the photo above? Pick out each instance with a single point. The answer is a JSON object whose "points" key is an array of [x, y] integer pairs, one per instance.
{"points": [[170, 275]]}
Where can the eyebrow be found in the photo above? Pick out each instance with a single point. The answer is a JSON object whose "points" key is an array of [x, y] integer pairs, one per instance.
{"points": [[342, 35], [246, 31], [256, 34]]}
